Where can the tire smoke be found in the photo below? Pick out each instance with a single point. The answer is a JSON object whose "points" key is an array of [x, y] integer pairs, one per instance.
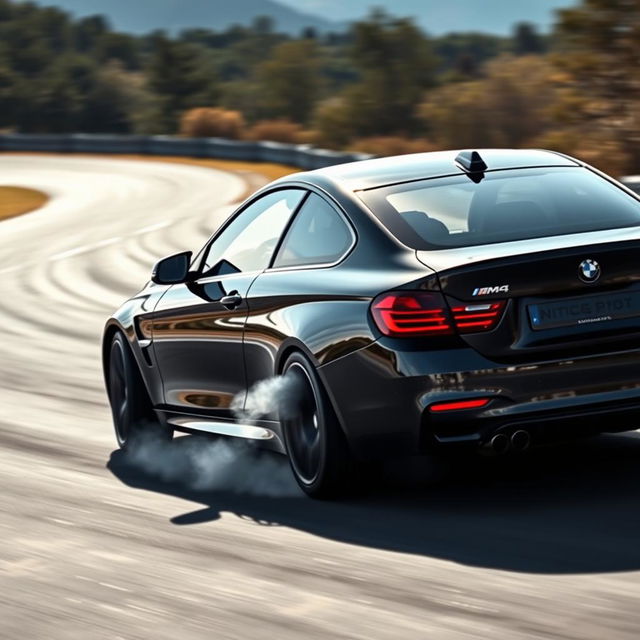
{"points": [[216, 464], [207, 464], [273, 398]]}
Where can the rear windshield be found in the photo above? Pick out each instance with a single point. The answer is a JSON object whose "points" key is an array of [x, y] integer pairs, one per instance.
{"points": [[502, 207]]}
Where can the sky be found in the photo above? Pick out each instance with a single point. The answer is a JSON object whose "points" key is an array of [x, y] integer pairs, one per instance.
{"points": [[438, 16]]}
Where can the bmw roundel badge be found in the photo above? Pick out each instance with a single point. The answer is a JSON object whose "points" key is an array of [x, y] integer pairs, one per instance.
{"points": [[589, 270]]}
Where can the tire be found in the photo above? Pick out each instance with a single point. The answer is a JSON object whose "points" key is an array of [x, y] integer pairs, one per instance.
{"points": [[131, 407], [316, 445]]}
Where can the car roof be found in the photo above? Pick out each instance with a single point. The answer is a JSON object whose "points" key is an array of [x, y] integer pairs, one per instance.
{"points": [[368, 174]]}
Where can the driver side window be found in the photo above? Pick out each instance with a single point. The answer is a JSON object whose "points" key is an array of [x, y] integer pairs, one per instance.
{"points": [[249, 241]]}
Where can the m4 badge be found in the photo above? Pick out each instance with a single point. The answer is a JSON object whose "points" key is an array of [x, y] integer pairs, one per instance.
{"points": [[488, 291]]}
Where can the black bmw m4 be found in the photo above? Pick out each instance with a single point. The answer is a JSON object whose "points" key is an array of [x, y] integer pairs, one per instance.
{"points": [[482, 299]]}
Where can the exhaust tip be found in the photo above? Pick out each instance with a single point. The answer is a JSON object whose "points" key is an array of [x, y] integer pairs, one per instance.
{"points": [[500, 444], [520, 440]]}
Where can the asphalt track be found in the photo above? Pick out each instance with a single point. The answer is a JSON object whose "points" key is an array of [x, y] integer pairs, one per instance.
{"points": [[546, 546]]}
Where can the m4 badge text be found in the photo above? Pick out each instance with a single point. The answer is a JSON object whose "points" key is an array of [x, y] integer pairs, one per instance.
{"points": [[487, 291]]}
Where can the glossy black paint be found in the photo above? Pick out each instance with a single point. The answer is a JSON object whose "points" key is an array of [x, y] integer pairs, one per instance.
{"points": [[203, 342], [199, 341]]}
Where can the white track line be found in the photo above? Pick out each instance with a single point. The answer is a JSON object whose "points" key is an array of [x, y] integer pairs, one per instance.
{"points": [[85, 249], [152, 227]]}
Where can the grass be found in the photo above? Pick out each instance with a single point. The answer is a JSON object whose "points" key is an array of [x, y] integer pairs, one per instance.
{"points": [[15, 201]]}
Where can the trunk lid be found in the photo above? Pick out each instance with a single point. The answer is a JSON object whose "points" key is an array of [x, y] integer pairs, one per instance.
{"points": [[566, 296]]}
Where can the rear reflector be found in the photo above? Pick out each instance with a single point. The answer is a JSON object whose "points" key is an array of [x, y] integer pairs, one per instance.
{"points": [[476, 403], [412, 313]]}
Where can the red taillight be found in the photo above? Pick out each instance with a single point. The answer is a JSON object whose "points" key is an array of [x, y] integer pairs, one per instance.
{"points": [[412, 314], [476, 403], [425, 313], [469, 318]]}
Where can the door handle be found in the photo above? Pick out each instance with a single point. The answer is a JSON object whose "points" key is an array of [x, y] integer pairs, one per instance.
{"points": [[231, 301]]}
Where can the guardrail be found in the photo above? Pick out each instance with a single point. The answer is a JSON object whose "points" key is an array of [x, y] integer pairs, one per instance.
{"points": [[302, 156]]}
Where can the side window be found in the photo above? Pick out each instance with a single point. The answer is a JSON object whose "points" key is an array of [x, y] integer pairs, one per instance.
{"points": [[318, 235], [248, 242]]}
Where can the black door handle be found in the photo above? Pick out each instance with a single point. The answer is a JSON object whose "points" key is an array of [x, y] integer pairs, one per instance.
{"points": [[231, 301]]}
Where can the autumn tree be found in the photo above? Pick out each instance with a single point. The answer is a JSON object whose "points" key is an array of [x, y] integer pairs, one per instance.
{"points": [[599, 55], [509, 107]]}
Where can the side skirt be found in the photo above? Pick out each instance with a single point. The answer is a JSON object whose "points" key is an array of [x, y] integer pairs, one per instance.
{"points": [[264, 436]]}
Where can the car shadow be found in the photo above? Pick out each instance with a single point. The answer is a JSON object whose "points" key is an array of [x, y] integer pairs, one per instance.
{"points": [[568, 509]]}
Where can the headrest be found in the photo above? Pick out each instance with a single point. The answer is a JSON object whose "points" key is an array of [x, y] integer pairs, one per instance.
{"points": [[427, 228]]}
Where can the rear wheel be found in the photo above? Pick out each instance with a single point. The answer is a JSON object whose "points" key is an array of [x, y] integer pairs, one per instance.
{"points": [[316, 446], [131, 407]]}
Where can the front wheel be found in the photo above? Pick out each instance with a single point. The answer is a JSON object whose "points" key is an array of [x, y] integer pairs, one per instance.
{"points": [[316, 446], [130, 405]]}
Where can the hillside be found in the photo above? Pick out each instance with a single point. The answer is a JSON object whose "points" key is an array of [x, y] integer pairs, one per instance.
{"points": [[142, 16], [438, 17], [291, 16]]}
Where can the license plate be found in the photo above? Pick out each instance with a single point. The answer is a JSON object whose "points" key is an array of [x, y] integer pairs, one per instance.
{"points": [[584, 310]]}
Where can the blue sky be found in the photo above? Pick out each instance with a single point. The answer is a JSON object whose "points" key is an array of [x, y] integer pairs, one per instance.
{"points": [[437, 16]]}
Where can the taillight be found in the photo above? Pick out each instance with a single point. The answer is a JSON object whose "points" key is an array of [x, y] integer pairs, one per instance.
{"points": [[425, 313], [412, 314], [470, 318]]}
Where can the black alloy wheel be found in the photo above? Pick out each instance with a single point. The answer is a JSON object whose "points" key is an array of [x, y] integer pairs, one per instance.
{"points": [[315, 443], [130, 405]]}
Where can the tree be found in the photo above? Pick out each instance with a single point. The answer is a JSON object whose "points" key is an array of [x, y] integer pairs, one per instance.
{"points": [[6, 10], [333, 123], [396, 64], [115, 101], [527, 40], [509, 107], [120, 47], [250, 47], [179, 78], [289, 81], [8, 105], [88, 31], [599, 55], [460, 56], [309, 33], [54, 102]]}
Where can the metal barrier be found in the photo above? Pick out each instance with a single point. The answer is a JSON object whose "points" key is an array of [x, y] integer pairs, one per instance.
{"points": [[295, 155], [303, 156]]}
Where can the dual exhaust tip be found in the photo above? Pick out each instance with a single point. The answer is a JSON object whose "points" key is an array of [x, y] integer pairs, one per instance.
{"points": [[501, 443]]}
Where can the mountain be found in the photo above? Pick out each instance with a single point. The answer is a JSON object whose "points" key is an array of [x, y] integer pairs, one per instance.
{"points": [[435, 16], [438, 17], [142, 16]]}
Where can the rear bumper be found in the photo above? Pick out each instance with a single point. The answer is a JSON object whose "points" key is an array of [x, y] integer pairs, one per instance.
{"points": [[383, 397]]}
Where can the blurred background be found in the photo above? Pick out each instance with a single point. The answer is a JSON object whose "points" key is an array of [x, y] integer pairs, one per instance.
{"points": [[406, 76]]}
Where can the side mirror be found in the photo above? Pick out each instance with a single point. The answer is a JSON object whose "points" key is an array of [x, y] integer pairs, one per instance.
{"points": [[173, 269]]}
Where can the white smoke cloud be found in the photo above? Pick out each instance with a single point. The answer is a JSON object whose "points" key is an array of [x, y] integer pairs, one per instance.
{"points": [[271, 397], [203, 463], [225, 464]]}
